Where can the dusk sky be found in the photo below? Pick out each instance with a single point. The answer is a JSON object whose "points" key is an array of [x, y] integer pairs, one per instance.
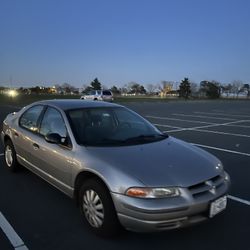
{"points": [[45, 42]]}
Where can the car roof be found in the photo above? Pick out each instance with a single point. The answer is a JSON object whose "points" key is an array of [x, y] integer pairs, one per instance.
{"points": [[68, 104]]}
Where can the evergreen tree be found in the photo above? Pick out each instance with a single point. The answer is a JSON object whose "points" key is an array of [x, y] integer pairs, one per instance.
{"points": [[87, 90], [96, 85], [211, 89], [185, 88], [115, 90]]}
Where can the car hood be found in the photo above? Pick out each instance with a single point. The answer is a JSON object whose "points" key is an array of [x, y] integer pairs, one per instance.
{"points": [[170, 162]]}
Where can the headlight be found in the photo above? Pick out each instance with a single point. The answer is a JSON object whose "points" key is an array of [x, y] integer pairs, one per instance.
{"points": [[226, 176], [153, 192], [219, 166]]}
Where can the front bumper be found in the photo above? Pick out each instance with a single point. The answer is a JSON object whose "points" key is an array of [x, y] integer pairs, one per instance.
{"points": [[2, 137], [148, 215]]}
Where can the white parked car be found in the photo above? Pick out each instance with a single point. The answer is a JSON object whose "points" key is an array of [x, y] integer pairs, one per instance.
{"points": [[99, 95]]}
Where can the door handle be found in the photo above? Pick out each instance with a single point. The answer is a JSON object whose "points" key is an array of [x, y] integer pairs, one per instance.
{"points": [[35, 146], [16, 134]]}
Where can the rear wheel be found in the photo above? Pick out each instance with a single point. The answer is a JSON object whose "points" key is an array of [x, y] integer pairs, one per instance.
{"points": [[10, 156], [97, 208]]}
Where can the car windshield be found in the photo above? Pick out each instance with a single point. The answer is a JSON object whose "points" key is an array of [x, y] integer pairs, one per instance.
{"points": [[115, 126]]}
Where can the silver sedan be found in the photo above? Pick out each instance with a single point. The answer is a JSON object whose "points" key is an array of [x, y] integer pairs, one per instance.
{"points": [[121, 170]]}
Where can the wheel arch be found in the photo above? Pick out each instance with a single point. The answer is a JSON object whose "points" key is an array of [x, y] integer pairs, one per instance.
{"points": [[7, 138], [84, 176]]}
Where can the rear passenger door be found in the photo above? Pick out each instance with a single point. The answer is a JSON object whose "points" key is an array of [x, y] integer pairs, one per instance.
{"points": [[27, 131]]}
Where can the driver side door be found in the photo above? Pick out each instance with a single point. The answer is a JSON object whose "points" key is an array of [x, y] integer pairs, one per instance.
{"points": [[54, 160]]}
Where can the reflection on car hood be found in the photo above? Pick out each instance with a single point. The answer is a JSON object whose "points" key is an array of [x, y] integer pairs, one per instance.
{"points": [[169, 162]]}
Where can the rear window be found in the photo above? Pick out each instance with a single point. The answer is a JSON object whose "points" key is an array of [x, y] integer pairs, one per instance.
{"points": [[106, 92]]}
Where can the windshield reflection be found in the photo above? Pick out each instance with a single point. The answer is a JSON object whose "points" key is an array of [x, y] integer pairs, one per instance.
{"points": [[113, 126]]}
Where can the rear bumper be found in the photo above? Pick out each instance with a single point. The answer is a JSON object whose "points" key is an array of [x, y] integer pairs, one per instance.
{"points": [[148, 215], [107, 99]]}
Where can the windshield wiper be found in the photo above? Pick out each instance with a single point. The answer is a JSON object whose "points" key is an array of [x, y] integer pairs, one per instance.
{"points": [[136, 139], [153, 137]]}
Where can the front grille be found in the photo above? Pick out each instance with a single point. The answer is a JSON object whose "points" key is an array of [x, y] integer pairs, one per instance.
{"points": [[210, 186]]}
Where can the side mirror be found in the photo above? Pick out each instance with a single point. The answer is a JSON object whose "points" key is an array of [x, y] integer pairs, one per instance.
{"points": [[53, 138]]}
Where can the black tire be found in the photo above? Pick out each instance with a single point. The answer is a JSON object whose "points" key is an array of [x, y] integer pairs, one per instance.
{"points": [[105, 223], [10, 156]]}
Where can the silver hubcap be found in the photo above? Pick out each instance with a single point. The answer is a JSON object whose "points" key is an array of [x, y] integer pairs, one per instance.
{"points": [[8, 156], [93, 208]]}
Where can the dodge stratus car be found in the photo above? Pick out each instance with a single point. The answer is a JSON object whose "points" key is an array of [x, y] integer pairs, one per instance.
{"points": [[121, 170]]}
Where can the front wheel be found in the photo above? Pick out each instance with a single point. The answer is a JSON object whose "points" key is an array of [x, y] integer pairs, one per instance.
{"points": [[97, 208], [10, 156]]}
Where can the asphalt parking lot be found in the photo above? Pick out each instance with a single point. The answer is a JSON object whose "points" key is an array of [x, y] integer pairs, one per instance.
{"points": [[44, 218]]}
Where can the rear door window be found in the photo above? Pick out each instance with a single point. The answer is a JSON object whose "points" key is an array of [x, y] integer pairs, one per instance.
{"points": [[30, 118]]}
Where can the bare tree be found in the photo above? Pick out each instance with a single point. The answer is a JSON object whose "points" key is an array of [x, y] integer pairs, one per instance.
{"points": [[136, 88], [84, 86], [226, 88], [166, 86], [104, 87], [237, 85], [124, 89], [151, 88], [68, 88], [194, 89], [246, 88]]}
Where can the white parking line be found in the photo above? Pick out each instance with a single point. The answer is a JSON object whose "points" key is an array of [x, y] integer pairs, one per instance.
{"points": [[221, 133], [218, 110], [10, 106], [238, 126], [13, 237], [176, 119], [201, 122], [223, 114], [221, 149], [163, 125], [239, 200], [208, 117], [200, 129], [174, 130]]}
